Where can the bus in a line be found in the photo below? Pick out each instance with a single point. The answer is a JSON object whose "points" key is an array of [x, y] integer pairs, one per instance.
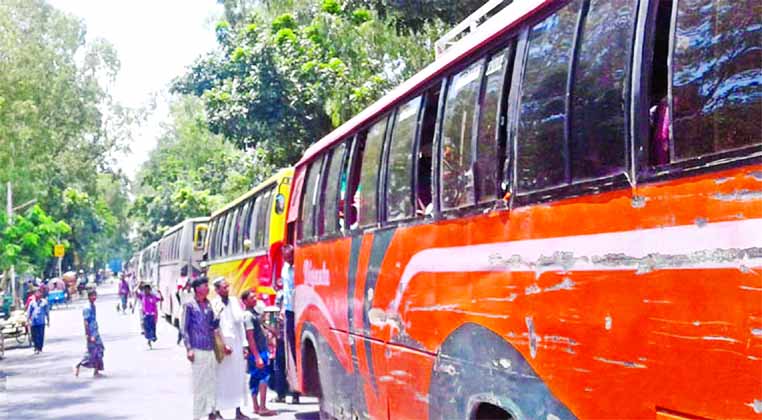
{"points": [[245, 236], [561, 217], [181, 251]]}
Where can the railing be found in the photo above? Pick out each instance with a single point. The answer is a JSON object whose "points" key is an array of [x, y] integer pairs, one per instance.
{"points": [[469, 25]]}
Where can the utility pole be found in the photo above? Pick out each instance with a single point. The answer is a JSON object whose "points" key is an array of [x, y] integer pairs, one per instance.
{"points": [[11, 272]]}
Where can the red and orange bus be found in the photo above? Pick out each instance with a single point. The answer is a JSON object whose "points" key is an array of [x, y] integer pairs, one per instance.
{"points": [[559, 218], [245, 236]]}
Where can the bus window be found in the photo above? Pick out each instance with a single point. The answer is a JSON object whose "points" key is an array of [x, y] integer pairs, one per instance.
{"points": [[307, 219], [540, 155], [328, 221], [716, 71], [425, 147], [232, 237], [255, 212], [489, 149], [263, 234], [659, 142], [457, 177], [245, 223], [226, 234], [268, 213], [371, 163], [353, 181], [219, 228], [598, 107], [210, 238], [399, 173]]}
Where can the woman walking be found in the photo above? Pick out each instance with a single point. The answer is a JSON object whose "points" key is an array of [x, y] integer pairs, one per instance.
{"points": [[93, 358]]}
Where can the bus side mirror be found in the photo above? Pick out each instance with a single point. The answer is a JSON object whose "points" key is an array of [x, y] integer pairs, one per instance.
{"points": [[246, 244]]}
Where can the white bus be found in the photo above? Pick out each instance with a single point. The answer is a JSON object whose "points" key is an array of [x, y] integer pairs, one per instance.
{"points": [[180, 252]]}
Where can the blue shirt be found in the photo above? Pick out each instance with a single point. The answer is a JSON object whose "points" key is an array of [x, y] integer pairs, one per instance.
{"points": [[287, 277], [37, 312], [199, 325]]}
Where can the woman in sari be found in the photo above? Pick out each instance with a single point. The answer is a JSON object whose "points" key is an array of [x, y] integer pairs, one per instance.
{"points": [[93, 358]]}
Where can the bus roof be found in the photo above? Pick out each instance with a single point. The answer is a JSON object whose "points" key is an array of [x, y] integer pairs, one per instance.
{"points": [[508, 18], [281, 173], [178, 226]]}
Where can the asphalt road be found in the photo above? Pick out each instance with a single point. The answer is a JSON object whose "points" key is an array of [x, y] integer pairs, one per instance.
{"points": [[139, 383]]}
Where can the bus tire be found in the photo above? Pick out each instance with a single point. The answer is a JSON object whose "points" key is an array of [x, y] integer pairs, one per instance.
{"points": [[477, 373]]}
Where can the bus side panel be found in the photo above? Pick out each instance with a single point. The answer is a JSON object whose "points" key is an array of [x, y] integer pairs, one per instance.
{"points": [[611, 304], [243, 274]]}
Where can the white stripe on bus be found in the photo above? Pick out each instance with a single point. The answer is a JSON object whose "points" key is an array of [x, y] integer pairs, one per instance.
{"points": [[709, 246]]}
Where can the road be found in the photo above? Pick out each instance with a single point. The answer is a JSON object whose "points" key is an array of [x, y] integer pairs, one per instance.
{"points": [[139, 384]]}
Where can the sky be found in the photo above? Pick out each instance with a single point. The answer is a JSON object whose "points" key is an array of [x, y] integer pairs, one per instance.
{"points": [[155, 40]]}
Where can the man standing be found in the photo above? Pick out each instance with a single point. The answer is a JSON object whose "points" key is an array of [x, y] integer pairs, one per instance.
{"points": [[150, 312], [94, 356], [287, 310], [231, 372], [199, 331], [37, 314]]}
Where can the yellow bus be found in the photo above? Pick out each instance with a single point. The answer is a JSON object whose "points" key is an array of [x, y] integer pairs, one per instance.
{"points": [[245, 236]]}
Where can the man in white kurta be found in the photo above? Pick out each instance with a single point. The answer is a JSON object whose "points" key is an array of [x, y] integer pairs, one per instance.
{"points": [[231, 372]]}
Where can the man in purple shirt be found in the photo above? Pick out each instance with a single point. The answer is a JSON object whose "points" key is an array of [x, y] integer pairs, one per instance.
{"points": [[150, 313], [199, 330]]}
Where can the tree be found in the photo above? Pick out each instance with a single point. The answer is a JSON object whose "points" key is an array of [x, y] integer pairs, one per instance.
{"points": [[276, 84], [28, 242], [59, 127], [191, 173]]}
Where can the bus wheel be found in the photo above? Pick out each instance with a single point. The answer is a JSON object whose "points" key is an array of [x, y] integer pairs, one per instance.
{"points": [[479, 375]]}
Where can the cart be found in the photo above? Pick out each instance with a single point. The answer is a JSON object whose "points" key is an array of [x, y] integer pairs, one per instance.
{"points": [[16, 327]]}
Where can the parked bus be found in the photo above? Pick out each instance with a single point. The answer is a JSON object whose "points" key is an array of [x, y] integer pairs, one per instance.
{"points": [[181, 250], [245, 236], [148, 265], [561, 217]]}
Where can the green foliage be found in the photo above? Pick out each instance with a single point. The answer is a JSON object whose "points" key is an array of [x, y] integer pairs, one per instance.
{"points": [[28, 242], [59, 127], [331, 6], [191, 173], [290, 73]]}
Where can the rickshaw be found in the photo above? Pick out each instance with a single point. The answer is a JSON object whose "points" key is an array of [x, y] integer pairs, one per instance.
{"points": [[16, 327], [56, 292]]}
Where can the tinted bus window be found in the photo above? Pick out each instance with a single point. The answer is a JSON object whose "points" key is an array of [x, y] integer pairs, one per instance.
{"points": [[333, 182], [371, 163], [254, 216], [487, 157], [268, 212], [457, 136], [235, 232], [311, 189], [212, 231], [399, 183], [226, 234], [717, 67], [263, 216], [540, 144], [246, 221], [597, 138]]}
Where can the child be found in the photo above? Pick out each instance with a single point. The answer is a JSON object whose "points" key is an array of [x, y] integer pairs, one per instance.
{"points": [[258, 355], [150, 313]]}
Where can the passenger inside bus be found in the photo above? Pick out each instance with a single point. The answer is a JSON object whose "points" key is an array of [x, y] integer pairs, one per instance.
{"points": [[428, 124], [659, 101]]}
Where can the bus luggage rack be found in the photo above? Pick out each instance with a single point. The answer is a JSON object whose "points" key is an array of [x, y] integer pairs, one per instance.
{"points": [[469, 25]]}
